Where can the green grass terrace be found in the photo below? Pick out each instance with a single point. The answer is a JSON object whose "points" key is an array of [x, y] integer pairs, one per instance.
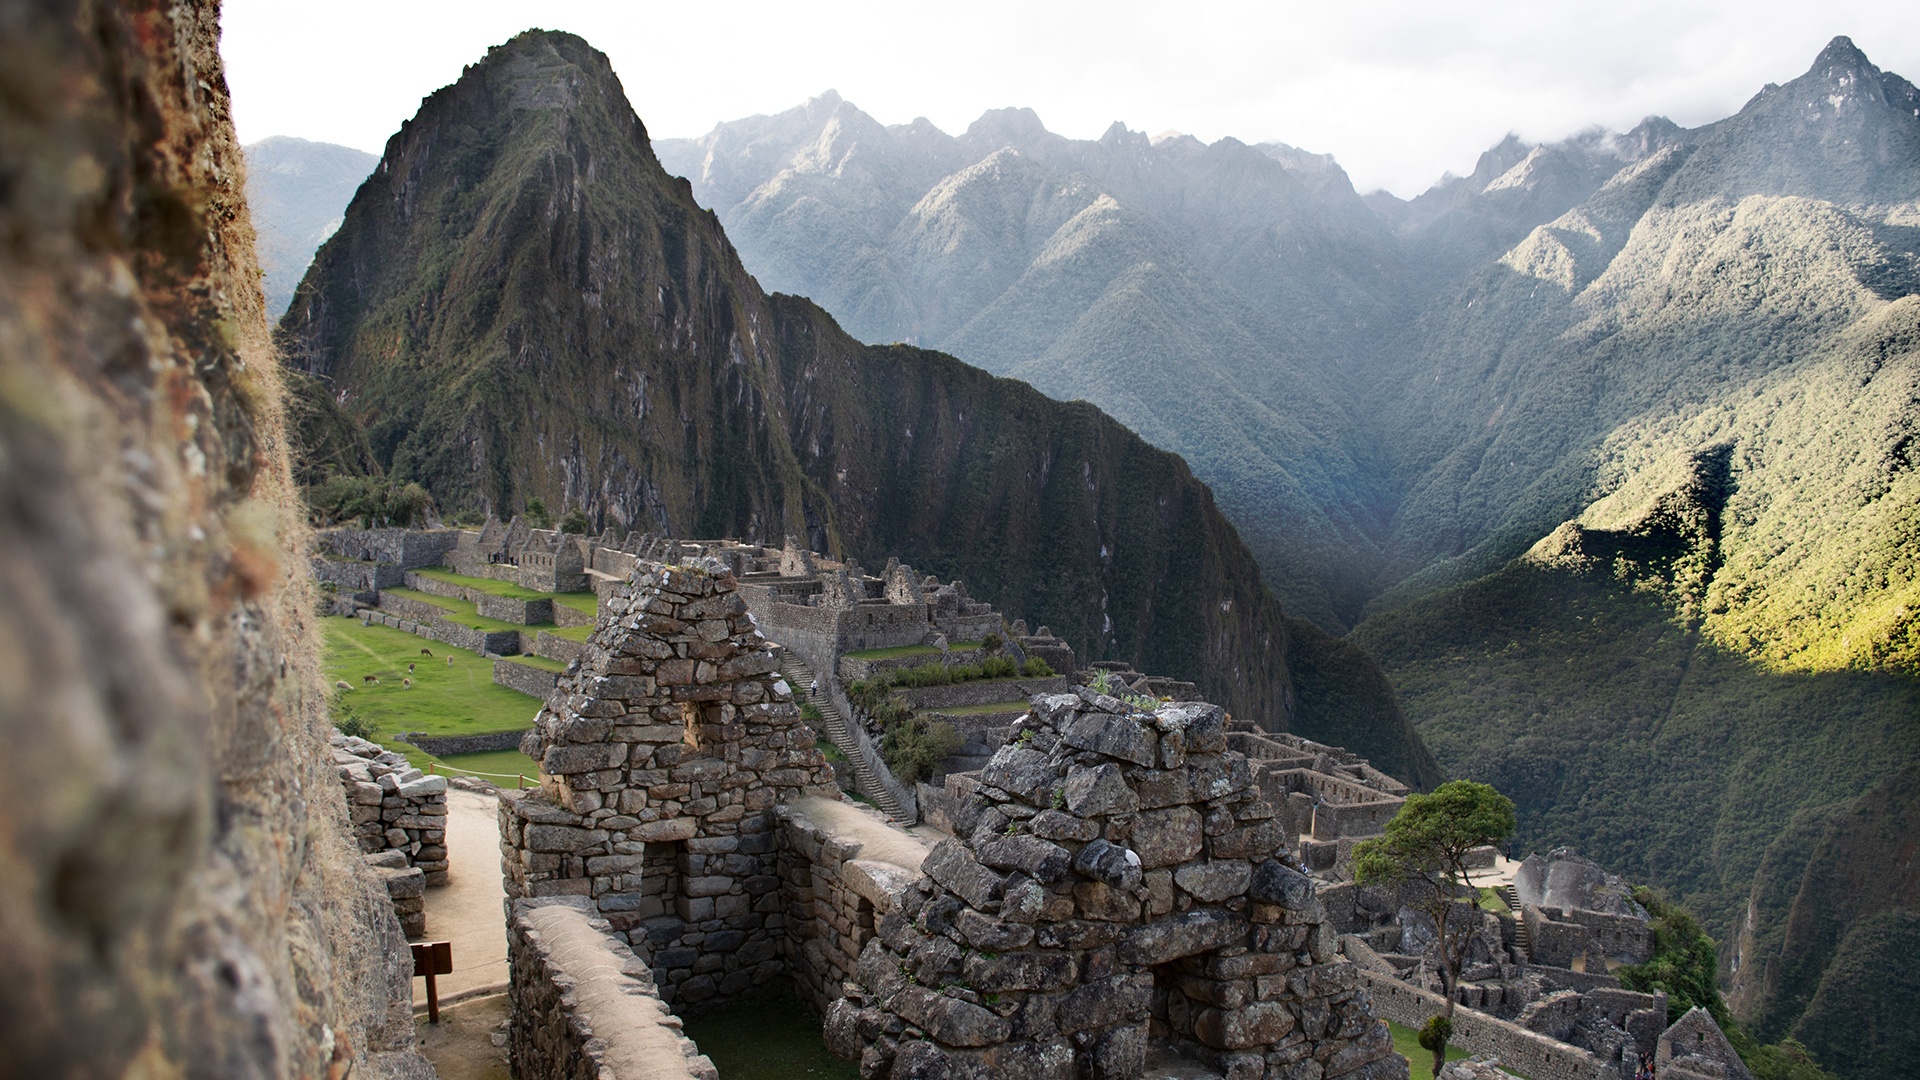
{"points": [[584, 602], [460, 698], [899, 651]]}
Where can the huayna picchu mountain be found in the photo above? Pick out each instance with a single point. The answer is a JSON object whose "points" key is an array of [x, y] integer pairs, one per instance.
{"points": [[522, 303]]}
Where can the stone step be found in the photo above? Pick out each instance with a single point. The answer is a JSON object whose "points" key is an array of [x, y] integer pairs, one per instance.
{"points": [[800, 676]]}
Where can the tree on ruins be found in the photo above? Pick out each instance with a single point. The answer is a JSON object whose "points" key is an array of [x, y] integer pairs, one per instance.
{"points": [[1427, 843]]}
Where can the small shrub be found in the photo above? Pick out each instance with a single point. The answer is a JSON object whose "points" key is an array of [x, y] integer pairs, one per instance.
{"points": [[537, 514], [991, 643], [998, 667], [965, 672], [1036, 668], [913, 748], [811, 713], [353, 724], [575, 522]]}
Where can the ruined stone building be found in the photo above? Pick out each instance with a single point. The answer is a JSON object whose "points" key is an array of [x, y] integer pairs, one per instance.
{"points": [[1119, 893]]}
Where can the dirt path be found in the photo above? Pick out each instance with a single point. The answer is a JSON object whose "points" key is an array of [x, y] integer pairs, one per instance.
{"points": [[466, 911]]}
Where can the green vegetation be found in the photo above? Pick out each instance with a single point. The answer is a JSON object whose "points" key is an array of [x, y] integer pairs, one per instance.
{"points": [[571, 633], [1684, 965], [587, 603], [1406, 1042], [536, 513], [1428, 842], [767, 1036], [479, 584], [913, 747], [464, 612], [498, 767], [461, 699], [372, 502], [575, 522], [544, 663], [1009, 708]]}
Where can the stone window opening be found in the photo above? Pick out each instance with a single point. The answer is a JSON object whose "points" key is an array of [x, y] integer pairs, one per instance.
{"points": [[661, 873]]}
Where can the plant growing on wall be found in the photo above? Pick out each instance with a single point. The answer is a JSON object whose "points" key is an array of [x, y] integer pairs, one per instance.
{"points": [[1427, 842]]}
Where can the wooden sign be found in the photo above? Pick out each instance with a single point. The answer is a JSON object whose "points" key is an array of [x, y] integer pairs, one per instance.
{"points": [[432, 958]]}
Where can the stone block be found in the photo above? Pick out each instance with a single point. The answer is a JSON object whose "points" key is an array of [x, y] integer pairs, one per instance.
{"points": [[1167, 837], [1186, 934], [1274, 882], [1019, 971], [590, 757], [1098, 791], [1110, 864], [1022, 772], [664, 831], [1237, 1029], [1042, 860], [1212, 882], [1120, 737], [1106, 1002], [953, 866]]}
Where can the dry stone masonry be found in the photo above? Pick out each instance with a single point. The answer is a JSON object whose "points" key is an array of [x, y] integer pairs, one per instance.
{"points": [[1113, 892], [666, 750], [394, 806]]}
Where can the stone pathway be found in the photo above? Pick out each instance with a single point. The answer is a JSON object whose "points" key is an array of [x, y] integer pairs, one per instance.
{"points": [[467, 910]]}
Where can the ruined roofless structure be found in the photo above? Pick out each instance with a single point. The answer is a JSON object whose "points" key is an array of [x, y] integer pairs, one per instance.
{"points": [[1116, 896]]}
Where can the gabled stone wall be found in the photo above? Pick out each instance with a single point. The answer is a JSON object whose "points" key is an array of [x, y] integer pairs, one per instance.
{"points": [[667, 751], [1114, 888]]}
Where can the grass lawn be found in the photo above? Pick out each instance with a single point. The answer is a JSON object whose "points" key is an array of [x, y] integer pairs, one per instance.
{"points": [[1407, 1042], [1011, 708], [461, 699], [544, 663], [1492, 900], [587, 603], [499, 766], [463, 611], [571, 633], [485, 585]]}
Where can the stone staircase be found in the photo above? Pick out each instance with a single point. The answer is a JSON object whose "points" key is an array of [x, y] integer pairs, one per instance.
{"points": [[800, 676], [1522, 942]]}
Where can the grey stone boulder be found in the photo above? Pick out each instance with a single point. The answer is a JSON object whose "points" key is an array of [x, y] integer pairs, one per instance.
{"points": [[1186, 934], [1276, 883], [1042, 860], [1110, 864], [952, 865], [1098, 791], [1114, 736], [1021, 772]]}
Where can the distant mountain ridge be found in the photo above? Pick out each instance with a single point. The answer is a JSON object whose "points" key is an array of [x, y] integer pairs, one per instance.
{"points": [[1609, 450], [521, 302], [298, 190]]}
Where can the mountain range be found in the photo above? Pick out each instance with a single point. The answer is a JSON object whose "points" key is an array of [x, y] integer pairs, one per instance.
{"points": [[1605, 451], [298, 190], [520, 302], [1604, 454]]}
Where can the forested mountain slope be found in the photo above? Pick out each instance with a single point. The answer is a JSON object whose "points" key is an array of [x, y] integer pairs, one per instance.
{"points": [[1608, 448], [520, 303]]}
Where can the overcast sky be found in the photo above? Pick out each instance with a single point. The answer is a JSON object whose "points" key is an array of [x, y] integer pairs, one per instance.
{"points": [[1399, 91]]}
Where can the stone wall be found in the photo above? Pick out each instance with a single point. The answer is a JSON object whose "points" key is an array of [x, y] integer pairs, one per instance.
{"points": [[513, 610], [534, 681], [181, 893], [665, 754], [555, 647], [841, 868], [438, 745], [1111, 887], [407, 549], [353, 576], [393, 805], [1527, 1053], [584, 1006]]}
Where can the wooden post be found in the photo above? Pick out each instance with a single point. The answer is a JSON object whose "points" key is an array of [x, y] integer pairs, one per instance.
{"points": [[432, 958]]}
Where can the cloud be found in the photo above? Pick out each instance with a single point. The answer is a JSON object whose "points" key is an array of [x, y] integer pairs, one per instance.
{"points": [[1398, 91]]}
